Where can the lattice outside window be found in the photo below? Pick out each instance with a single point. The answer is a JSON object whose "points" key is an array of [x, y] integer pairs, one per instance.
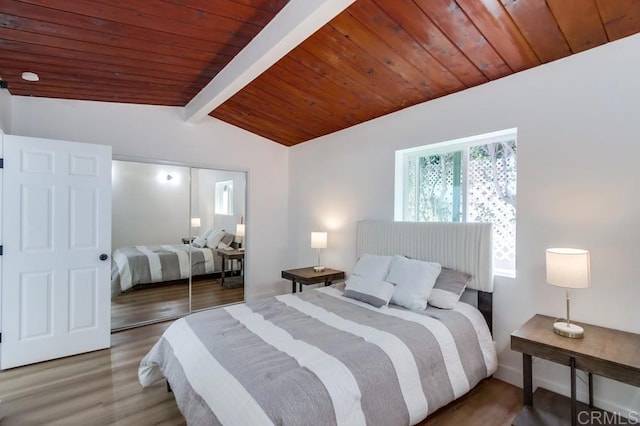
{"points": [[473, 180]]}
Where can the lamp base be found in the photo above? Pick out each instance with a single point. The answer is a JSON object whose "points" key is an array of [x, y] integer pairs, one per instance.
{"points": [[573, 331], [318, 268]]}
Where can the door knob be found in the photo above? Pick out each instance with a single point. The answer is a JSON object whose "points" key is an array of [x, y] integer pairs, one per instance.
{"points": [[104, 256]]}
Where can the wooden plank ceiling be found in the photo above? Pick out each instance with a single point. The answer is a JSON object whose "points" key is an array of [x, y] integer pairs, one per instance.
{"points": [[376, 57], [139, 51]]}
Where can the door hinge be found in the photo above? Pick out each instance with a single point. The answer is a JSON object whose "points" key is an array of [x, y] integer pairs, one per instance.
{"points": [[1, 250], [0, 337], [1, 163]]}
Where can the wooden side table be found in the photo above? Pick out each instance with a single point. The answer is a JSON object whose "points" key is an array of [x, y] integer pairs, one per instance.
{"points": [[603, 351], [308, 276], [230, 255]]}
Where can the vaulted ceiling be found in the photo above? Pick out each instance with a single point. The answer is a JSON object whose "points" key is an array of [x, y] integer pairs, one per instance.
{"points": [[373, 58]]}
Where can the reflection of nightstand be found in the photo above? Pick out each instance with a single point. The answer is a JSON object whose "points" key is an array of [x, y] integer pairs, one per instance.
{"points": [[186, 240], [308, 276], [603, 351], [231, 255]]}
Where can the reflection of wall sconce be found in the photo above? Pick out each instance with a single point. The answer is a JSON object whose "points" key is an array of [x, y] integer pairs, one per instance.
{"points": [[240, 234], [168, 177]]}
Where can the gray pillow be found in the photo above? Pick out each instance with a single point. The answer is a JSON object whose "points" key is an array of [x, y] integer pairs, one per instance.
{"points": [[375, 293], [448, 288], [228, 239]]}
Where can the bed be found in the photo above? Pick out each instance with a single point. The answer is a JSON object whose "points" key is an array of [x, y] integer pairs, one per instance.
{"points": [[319, 357], [146, 264]]}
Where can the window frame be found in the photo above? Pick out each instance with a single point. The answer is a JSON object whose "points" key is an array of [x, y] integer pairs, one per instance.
{"points": [[401, 192]]}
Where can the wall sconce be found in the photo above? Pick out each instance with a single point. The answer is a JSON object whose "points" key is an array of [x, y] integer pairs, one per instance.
{"points": [[318, 241]]}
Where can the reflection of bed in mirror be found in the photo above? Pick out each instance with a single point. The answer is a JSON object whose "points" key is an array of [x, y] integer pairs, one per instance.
{"points": [[155, 208], [152, 264]]}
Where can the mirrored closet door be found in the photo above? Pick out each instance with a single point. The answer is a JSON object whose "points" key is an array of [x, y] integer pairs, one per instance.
{"points": [[217, 210], [169, 226]]}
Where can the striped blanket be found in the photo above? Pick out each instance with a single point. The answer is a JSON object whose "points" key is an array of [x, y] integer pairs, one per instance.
{"points": [[152, 264], [318, 358]]}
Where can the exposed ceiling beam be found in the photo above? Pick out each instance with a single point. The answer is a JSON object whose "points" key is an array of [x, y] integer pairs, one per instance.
{"points": [[298, 20]]}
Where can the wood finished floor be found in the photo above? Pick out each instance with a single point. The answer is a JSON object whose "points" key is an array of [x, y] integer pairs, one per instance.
{"points": [[170, 300], [101, 388]]}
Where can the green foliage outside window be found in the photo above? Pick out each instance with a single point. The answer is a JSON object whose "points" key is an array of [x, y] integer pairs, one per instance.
{"points": [[473, 184]]}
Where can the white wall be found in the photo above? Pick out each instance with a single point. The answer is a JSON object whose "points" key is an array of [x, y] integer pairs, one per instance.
{"points": [[578, 153], [161, 133], [5, 110], [146, 207]]}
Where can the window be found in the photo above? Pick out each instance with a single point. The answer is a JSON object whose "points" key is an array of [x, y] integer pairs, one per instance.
{"points": [[224, 197], [467, 180]]}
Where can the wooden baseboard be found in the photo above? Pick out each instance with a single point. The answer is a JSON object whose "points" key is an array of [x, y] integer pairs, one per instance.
{"points": [[551, 409]]}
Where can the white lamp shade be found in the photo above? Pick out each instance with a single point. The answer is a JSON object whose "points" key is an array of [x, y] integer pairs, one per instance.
{"points": [[240, 230], [318, 240], [567, 267], [195, 222]]}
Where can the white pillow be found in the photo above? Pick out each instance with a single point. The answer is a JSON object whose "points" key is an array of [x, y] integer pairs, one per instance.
{"points": [[372, 266], [214, 239], [199, 242], [413, 281], [207, 233], [376, 293]]}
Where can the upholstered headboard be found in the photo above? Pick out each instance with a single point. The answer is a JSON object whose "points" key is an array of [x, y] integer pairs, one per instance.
{"points": [[462, 246]]}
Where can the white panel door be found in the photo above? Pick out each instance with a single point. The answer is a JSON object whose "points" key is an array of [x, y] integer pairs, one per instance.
{"points": [[57, 236]]}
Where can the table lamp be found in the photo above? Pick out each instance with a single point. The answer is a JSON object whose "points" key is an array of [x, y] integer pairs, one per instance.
{"points": [[568, 268], [318, 241], [240, 234]]}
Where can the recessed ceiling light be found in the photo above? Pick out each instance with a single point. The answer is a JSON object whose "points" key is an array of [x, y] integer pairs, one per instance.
{"points": [[30, 76]]}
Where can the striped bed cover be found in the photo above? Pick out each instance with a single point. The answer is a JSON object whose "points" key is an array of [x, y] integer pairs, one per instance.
{"points": [[151, 264], [318, 358]]}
